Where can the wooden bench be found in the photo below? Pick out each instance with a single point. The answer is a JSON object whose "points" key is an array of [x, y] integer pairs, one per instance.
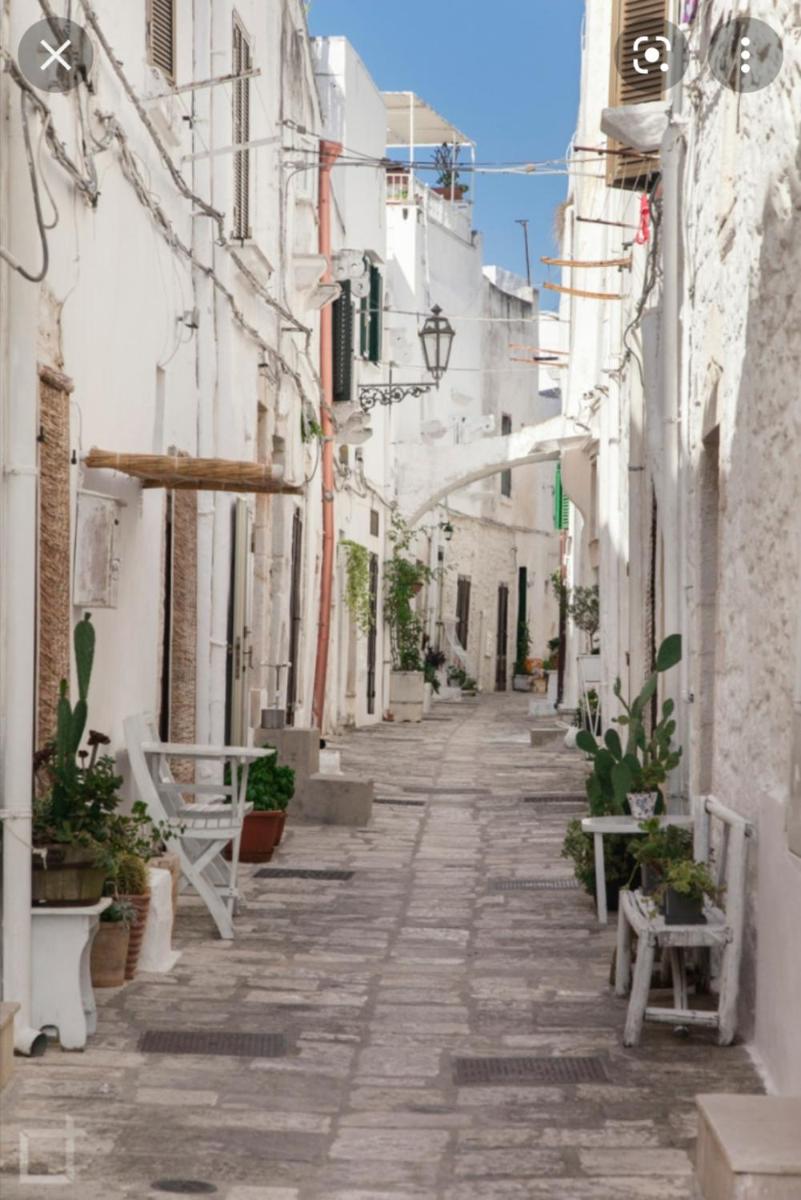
{"points": [[723, 931]]}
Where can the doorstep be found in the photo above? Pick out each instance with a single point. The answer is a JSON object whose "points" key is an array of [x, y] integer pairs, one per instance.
{"points": [[749, 1147], [7, 1012]]}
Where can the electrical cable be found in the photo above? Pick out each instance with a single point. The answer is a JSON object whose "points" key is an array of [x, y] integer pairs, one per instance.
{"points": [[37, 204]]}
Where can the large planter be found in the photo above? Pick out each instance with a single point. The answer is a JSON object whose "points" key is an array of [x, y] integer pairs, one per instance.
{"points": [[110, 954], [683, 910], [137, 932], [521, 683], [428, 697], [281, 823], [261, 833], [66, 877], [456, 193], [553, 687], [406, 694]]}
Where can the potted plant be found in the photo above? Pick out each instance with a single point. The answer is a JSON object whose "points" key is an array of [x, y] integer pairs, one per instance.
{"points": [[110, 945], [270, 789], [132, 888], [448, 182], [583, 607], [522, 676], [645, 761], [403, 579], [686, 885], [658, 848], [76, 794]]}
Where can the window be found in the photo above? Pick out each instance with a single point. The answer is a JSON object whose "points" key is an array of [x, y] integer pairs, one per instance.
{"points": [[370, 318], [561, 504], [161, 36], [506, 476], [342, 321], [632, 19], [242, 61], [462, 610]]}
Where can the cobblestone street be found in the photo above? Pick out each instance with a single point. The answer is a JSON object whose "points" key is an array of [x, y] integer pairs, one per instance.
{"points": [[379, 982]]}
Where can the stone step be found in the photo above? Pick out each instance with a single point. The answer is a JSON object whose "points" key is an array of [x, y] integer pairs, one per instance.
{"points": [[7, 1012], [333, 800], [749, 1147]]}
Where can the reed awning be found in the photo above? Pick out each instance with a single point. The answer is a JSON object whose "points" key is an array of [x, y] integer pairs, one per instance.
{"points": [[178, 471]]}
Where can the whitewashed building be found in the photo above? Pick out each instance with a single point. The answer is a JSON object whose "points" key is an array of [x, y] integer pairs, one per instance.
{"points": [[683, 373]]}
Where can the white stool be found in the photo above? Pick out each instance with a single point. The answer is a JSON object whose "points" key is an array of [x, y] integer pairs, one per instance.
{"points": [[62, 981]]}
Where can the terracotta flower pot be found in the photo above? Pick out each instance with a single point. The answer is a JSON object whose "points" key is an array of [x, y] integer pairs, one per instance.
{"points": [[141, 904], [109, 954], [281, 824], [260, 835]]}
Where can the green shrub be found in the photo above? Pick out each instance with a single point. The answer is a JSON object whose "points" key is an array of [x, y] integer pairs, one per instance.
{"points": [[618, 860], [130, 876], [270, 786]]}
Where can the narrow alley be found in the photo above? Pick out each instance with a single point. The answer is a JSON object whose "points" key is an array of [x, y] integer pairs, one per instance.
{"points": [[427, 953]]}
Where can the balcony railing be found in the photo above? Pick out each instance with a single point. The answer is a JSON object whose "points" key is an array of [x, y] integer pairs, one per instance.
{"points": [[403, 187]]}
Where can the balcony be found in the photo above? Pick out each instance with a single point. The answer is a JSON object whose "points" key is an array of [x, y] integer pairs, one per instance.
{"points": [[404, 187]]}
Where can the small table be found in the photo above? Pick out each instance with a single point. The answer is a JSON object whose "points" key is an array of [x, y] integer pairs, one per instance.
{"points": [[598, 826], [62, 993]]}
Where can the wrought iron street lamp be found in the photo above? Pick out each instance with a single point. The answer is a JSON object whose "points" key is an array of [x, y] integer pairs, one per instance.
{"points": [[436, 337]]}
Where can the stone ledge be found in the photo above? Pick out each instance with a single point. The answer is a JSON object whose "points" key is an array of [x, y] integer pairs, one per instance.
{"points": [[749, 1147], [333, 800]]}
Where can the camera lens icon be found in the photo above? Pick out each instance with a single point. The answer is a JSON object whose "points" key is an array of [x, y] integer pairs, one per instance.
{"points": [[650, 53], [650, 61]]}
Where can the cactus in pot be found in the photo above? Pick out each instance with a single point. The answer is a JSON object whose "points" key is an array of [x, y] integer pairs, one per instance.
{"points": [[132, 887], [643, 762]]}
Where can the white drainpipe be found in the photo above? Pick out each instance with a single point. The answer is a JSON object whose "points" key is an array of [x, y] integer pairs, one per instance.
{"points": [[18, 429]]}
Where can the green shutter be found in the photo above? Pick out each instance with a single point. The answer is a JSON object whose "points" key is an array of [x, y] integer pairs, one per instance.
{"points": [[561, 504], [374, 325], [342, 321]]}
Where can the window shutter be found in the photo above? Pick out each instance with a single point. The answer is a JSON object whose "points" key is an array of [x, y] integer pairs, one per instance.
{"points": [[561, 504], [342, 321], [375, 323], [241, 61], [632, 19], [364, 325], [161, 36]]}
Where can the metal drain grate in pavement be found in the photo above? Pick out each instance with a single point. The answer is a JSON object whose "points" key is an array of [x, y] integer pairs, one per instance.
{"points": [[524, 885], [404, 803], [184, 1187], [469, 1071], [301, 873], [556, 798], [229, 1045]]}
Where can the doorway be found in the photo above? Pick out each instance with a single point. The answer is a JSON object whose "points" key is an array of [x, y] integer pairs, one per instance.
{"points": [[372, 636], [294, 617], [501, 650], [239, 649]]}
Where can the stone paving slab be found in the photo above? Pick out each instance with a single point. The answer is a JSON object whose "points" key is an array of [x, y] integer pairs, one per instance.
{"points": [[379, 982]]}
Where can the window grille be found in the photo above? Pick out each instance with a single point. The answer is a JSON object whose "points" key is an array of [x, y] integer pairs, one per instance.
{"points": [[242, 62]]}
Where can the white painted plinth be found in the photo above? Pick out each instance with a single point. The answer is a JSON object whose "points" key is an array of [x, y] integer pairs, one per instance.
{"points": [[157, 953], [406, 691], [61, 978]]}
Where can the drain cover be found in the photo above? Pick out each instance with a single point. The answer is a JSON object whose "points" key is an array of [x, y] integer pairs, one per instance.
{"points": [[405, 803], [230, 1045], [184, 1187], [521, 885], [467, 1071], [299, 873], [556, 798]]}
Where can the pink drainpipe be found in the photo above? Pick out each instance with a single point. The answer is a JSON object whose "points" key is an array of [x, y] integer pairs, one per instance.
{"points": [[329, 153]]}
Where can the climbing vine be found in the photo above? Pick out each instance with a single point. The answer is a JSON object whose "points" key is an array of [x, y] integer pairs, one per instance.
{"points": [[403, 579], [357, 584]]}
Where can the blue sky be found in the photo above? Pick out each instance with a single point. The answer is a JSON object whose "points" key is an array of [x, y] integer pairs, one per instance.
{"points": [[506, 72]]}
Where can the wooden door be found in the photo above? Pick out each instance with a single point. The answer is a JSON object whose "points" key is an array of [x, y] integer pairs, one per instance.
{"points": [[239, 632], [294, 617], [501, 654]]}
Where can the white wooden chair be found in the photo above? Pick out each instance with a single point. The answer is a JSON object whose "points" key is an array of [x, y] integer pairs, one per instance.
{"points": [[723, 932], [201, 831]]}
